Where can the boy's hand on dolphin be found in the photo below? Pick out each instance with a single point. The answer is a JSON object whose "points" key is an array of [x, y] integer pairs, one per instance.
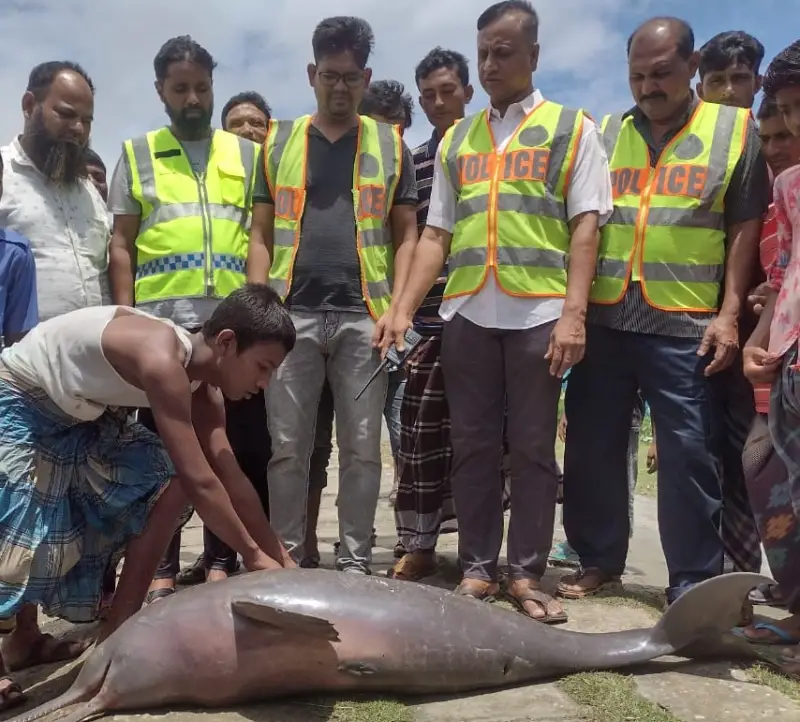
{"points": [[259, 562]]}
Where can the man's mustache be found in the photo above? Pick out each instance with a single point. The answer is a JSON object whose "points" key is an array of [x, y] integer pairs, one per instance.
{"points": [[653, 96]]}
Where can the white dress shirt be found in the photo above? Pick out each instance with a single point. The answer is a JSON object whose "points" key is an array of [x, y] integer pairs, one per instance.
{"points": [[68, 229], [589, 190]]}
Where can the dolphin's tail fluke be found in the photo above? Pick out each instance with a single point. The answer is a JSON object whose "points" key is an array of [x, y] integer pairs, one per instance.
{"points": [[705, 611]]}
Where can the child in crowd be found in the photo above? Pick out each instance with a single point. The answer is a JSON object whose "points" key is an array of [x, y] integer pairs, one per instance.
{"points": [[771, 357], [19, 312], [80, 483]]}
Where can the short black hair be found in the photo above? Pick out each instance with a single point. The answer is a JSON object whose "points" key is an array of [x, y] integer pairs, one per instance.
{"points": [[441, 58], [250, 97], [685, 43], [783, 71], [255, 313], [767, 109], [91, 157], [733, 47], [43, 75], [341, 34], [496, 11], [178, 49], [389, 99]]}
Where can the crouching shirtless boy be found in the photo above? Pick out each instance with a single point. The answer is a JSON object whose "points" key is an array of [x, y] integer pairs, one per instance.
{"points": [[80, 483]]}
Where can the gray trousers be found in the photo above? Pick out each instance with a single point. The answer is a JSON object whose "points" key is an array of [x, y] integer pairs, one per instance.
{"points": [[337, 346], [482, 368]]}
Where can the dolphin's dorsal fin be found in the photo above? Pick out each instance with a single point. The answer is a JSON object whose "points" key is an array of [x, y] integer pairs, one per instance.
{"points": [[293, 622]]}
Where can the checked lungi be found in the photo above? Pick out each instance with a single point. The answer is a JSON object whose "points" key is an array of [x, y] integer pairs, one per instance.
{"points": [[72, 495], [424, 498]]}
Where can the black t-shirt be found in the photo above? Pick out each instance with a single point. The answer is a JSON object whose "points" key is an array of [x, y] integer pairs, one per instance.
{"points": [[326, 274]]}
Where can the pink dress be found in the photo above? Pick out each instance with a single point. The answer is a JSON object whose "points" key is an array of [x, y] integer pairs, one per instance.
{"points": [[783, 274]]}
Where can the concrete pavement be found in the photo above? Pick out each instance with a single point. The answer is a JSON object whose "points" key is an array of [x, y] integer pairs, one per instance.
{"points": [[687, 690]]}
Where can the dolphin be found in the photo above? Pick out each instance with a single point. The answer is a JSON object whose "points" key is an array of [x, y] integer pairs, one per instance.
{"points": [[287, 632]]}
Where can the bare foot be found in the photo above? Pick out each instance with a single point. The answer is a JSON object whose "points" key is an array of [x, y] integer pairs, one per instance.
{"points": [[29, 648], [216, 575]]}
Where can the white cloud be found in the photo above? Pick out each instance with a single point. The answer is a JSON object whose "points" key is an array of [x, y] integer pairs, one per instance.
{"points": [[265, 45]]}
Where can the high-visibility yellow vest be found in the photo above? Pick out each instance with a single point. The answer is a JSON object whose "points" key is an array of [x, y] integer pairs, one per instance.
{"points": [[511, 214], [376, 173], [193, 232], [667, 230]]}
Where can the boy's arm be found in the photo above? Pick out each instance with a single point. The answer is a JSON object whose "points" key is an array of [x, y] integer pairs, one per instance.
{"points": [[167, 386], [22, 310], [208, 412]]}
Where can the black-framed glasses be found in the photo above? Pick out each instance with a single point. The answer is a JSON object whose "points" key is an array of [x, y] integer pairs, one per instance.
{"points": [[331, 78]]}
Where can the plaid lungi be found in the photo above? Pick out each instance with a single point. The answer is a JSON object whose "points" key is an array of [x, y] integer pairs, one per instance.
{"points": [[740, 536], [783, 525], [72, 494], [424, 499]]}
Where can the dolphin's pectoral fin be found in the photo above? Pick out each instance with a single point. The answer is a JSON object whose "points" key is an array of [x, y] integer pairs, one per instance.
{"points": [[293, 622], [359, 669]]}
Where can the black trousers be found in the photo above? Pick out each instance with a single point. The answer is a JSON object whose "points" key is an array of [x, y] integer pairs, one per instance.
{"points": [[246, 426]]}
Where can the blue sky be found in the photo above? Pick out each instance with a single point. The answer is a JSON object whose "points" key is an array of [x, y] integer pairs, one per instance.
{"points": [[265, 46]]}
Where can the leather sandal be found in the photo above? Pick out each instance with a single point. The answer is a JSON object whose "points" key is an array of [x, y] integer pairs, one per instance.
{"points": [[11, 695], [413, 566], [585, 583], [478, 589]]}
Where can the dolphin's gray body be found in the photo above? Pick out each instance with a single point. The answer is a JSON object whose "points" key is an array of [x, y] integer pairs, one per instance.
{"points": [[268, 634]]}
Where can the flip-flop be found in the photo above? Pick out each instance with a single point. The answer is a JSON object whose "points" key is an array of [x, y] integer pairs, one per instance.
{"points": [[541, 598], [12, 696], [783, 637]]}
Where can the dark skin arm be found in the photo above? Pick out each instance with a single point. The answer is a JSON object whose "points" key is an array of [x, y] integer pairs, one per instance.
{"points": [[568, 340], [208, 409], [403, 219], [159, 369], [262, 241], [122, 259], [723, 331], [429, 257], [761, 367]]}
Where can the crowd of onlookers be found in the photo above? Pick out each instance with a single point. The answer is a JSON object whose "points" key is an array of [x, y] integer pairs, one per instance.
{"points": [[643, 260]]}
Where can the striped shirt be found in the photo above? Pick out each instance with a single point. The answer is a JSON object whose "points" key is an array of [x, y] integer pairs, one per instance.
{"points": [[424, 157], [746, 199]]}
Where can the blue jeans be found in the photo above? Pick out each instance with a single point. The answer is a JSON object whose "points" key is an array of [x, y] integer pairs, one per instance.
{"points": [[391, 411], [336, 346], [599, 400]]}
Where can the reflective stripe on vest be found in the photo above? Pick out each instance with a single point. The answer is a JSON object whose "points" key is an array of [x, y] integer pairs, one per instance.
{"points": [[193, 236], [667, 229], [375, 176], [510, 211]]}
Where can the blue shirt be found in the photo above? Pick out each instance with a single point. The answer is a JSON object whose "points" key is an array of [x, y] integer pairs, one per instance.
{"points": [[19, 311]]}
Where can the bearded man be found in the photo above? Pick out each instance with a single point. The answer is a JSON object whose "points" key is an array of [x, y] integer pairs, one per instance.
{"points": [[48, 196], [181, 197], [49, 199]]}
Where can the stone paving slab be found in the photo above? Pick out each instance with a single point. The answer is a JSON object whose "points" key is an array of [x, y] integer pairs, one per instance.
{"points": [[716, 692]]}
